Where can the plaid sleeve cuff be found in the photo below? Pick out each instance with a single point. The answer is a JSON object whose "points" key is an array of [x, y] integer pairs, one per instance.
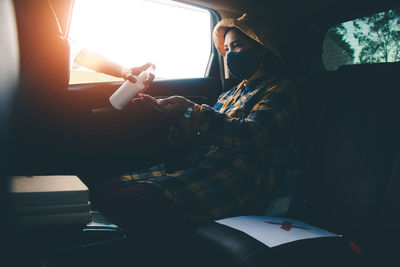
{"points": [[196, 117], [205, 116]]}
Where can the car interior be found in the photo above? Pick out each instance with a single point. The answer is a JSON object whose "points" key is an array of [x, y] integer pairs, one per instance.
{"points": [[345, 178]]}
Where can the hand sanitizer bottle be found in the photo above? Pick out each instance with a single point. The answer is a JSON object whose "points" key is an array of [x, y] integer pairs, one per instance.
{"points": [[128, 90]]}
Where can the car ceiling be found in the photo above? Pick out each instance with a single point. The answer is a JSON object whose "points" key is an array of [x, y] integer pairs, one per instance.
{"points": [[323, 12]]}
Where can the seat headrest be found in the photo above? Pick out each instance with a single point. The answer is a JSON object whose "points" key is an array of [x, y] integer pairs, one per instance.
{"points": [[9, 64]]}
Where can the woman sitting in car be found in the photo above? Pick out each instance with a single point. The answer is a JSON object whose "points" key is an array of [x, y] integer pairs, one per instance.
{"points": [[237, 153]]}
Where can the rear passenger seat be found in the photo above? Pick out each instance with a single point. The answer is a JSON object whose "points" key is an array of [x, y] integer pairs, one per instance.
{"points": [[352, 180], [349, 132]]}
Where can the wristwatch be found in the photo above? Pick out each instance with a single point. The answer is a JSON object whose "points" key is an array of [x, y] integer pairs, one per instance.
{"points": [[189, 112]]}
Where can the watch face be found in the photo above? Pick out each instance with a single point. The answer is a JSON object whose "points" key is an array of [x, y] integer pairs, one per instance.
{"points": [[188, 112]]}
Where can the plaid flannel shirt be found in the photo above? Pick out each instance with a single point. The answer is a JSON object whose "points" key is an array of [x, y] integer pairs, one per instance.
{"points": [[238, 153]]}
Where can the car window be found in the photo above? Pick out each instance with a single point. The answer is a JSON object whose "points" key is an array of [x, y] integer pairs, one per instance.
{"points": [[174, 36], [372, 39]]}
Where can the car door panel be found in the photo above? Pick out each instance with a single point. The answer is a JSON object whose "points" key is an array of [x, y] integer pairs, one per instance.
{"points": [[96, 95], [93, 135]]}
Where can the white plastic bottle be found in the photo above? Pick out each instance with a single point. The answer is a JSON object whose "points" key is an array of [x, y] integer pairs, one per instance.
{"points": [[128, 90]]}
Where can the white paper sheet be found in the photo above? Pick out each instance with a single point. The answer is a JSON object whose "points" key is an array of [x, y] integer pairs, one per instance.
{"points": [[275, 231]]}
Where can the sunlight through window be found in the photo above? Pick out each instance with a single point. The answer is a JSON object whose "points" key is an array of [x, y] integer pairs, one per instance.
{"points": [[174, 36]]}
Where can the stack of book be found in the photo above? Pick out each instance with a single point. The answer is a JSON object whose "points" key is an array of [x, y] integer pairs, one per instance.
{"points": [[50, 200]]}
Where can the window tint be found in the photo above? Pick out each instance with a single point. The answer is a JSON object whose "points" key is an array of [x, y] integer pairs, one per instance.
{"points": [[175, 37], [372, 39]]}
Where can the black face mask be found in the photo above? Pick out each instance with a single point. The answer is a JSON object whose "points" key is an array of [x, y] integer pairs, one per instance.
{"points": [[242, 65]]}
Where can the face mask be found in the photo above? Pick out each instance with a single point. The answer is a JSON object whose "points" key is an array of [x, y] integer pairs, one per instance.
{"points": [[242, 65]]}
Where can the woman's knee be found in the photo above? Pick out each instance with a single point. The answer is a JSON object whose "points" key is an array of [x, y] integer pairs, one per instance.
{"points": [[100, 191]]}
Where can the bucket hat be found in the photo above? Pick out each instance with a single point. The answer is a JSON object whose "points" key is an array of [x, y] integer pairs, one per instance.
{"points": [[245, 24]]}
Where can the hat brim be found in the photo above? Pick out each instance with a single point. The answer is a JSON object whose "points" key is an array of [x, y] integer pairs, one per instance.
{"points": [[222, 27]]}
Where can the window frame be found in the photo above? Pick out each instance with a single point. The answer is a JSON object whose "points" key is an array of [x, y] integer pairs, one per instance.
{"points": [[215, 64]]}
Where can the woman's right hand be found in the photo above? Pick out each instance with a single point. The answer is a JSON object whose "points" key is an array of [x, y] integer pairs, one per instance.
{"points": [[147, 104], [175, 106]]}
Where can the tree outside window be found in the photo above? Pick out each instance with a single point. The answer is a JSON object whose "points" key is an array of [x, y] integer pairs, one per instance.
{"points": [[372, 39]]}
